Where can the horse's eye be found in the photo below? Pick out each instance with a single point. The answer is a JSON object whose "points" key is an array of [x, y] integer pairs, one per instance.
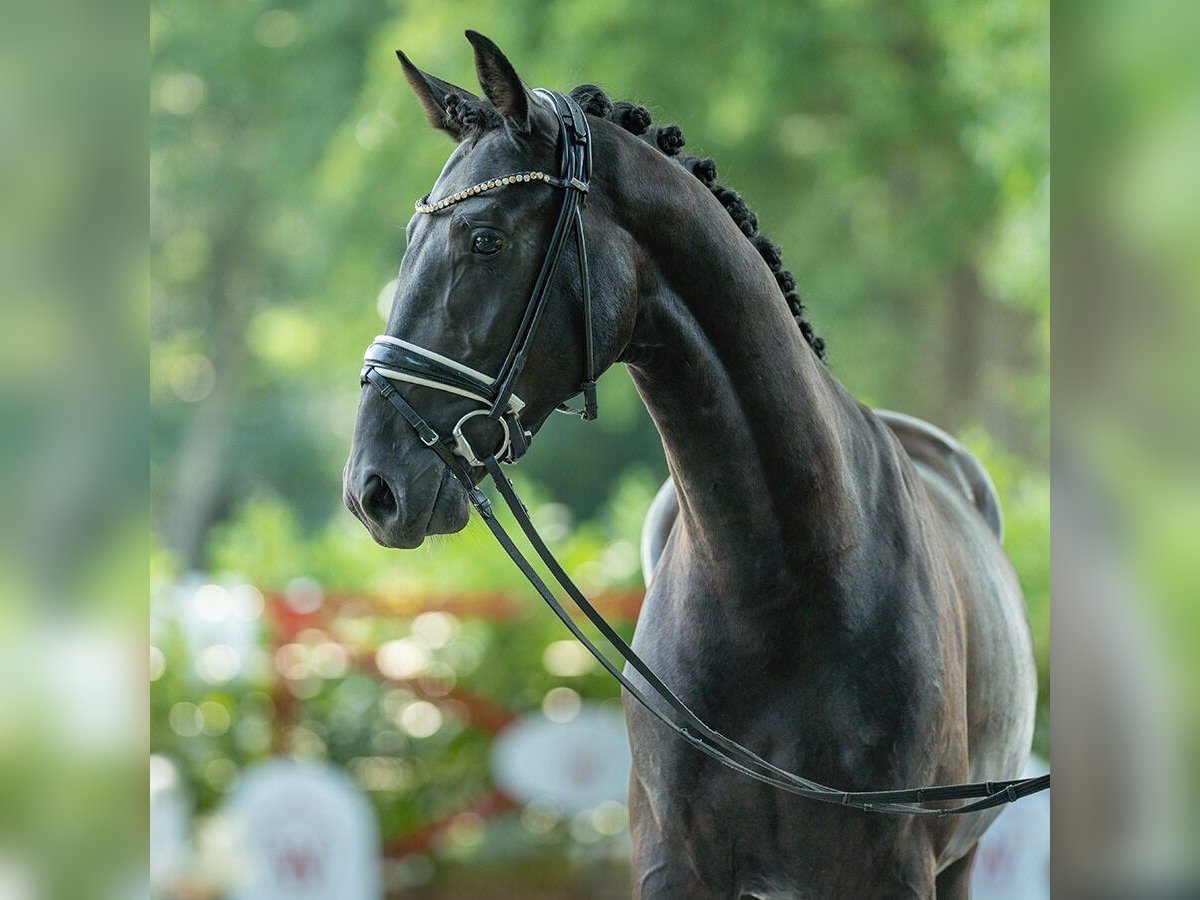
{"points": [[487, 242]]}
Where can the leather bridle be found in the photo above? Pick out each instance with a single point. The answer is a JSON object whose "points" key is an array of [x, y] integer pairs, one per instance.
{"points": [[389, 360]]}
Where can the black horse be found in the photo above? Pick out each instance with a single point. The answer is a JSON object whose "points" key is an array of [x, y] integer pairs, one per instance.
{"points": [[826, 583]]}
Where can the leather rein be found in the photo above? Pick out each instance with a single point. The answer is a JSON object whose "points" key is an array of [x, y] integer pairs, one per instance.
{"points": [[389, 360]]}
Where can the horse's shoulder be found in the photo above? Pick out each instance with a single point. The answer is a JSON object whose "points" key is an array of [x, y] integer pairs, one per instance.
{"points": [[939, 455]]}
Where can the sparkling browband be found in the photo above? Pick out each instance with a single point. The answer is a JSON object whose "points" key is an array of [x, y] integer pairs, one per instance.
{"points": [[423, 206]]}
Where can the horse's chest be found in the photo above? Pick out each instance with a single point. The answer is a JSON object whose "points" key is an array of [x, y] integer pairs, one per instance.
{"points": [[700, 830], [844, 718], [835, 708]]}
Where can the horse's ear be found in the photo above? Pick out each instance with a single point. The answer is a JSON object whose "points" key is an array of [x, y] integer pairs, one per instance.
{"points": [[500, 81], [432, 92]]}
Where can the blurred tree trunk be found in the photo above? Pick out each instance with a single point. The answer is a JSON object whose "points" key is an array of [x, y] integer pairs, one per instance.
{"points": [[966, 345], [988, 351], [200, 483]]}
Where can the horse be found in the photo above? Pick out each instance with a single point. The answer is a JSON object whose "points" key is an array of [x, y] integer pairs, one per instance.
{"points": [[826, 583]]}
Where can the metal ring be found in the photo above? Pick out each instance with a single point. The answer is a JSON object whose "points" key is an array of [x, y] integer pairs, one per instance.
{"points": [[463, 447]]}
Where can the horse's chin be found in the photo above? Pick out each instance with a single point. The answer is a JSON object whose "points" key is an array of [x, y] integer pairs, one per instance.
{"points": [[451, 510]]}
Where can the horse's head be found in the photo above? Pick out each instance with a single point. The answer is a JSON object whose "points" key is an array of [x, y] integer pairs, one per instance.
{"points": [[464, 286]]}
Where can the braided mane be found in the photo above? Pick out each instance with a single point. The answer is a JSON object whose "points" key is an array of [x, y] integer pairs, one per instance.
{"points": [[669, 139], [477, 116]]}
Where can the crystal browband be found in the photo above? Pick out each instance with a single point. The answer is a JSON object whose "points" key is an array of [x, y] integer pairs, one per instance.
{"points": [[423, 205]]}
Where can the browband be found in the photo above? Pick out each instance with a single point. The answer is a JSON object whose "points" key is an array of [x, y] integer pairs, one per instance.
{"points": [[424, 206]]}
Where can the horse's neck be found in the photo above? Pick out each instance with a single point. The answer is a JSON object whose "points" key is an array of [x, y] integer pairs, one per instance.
{"points": [[768, 452]]}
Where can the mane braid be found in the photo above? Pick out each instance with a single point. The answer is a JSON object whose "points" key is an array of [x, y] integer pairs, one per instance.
{"points": [[669, 139]]}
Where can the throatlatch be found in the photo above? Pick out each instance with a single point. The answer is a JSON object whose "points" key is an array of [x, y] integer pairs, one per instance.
{"points": [[390, 360]]}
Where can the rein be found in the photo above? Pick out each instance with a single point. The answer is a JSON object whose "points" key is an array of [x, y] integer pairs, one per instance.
{"points": [[390, 360]]}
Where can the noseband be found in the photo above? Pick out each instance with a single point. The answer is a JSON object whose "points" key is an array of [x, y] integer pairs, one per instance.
{"points": [[389, 360], [392, 359]]}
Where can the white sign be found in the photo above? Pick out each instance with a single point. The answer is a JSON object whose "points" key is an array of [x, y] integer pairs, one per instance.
{"points": [[571, 765], [170, 819], [1013, 860], [304, 831]]}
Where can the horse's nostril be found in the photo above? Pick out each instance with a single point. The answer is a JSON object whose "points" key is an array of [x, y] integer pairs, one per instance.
{"points": [[377, 498]]}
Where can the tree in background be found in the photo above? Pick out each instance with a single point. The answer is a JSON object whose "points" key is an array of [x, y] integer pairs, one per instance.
{"points": [[897, 151]]}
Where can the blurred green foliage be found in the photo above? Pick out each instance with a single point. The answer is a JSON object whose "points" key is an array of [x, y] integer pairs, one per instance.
{"points": [[418, 745], [898, 151], [265, 544]]}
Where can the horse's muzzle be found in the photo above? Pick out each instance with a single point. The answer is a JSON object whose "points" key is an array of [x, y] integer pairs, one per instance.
{"points": [[400, 511]]}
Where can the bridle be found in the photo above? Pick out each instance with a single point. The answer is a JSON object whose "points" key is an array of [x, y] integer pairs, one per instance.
{"points": [[390, 360]]}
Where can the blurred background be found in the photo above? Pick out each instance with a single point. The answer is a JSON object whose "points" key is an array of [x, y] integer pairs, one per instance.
{"points": [[899, 153]]}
